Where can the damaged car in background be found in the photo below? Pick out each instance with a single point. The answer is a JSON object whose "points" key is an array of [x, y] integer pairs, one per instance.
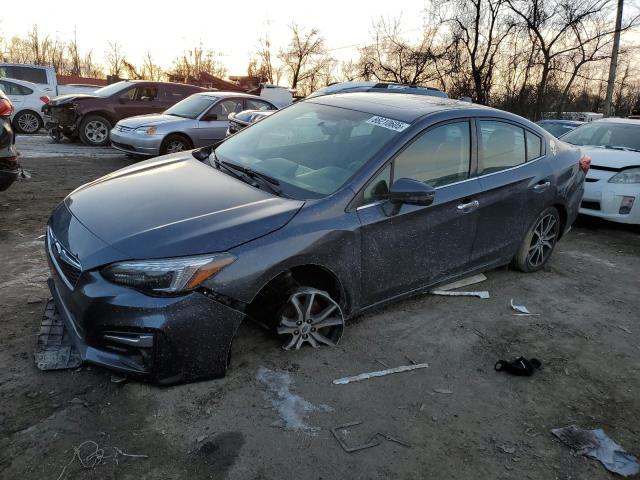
{"points": [[9, 168], [90, 116], [238, 121], [320, 212]]}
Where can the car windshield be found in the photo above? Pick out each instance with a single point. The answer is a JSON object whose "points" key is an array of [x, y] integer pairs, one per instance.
{"points": [[557, 129], [312, 148], [606, 134], [191, 107], [111, 89]]}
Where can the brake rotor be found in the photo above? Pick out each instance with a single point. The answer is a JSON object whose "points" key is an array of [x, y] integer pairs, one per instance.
{"points": [[311, 316]]}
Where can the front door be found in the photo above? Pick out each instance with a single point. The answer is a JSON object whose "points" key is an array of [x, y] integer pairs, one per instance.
{"points": [[213, 125], [410, 247], [139, 100]]}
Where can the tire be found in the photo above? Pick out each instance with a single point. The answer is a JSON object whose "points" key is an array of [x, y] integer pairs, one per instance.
{"points": [[27, 121], [94, 130], [175, 143], [539, 242]]}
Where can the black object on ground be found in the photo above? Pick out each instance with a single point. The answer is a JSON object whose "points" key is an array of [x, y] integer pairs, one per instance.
{"points": [[520, 366], [55, 349]]}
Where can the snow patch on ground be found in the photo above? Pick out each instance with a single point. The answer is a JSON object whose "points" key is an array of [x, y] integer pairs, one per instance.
{"points": [[292, 408]]}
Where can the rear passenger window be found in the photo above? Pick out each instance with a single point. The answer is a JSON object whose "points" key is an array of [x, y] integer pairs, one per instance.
{"points": [[438, 157], [534, 146], [501, 147]]}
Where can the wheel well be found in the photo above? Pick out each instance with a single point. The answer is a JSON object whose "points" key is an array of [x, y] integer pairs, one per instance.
{"points": [[104, 115], [266, 303], [563, 217]]}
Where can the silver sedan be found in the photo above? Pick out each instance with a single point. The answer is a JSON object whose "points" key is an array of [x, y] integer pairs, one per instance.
{"points": [[196, 121]]}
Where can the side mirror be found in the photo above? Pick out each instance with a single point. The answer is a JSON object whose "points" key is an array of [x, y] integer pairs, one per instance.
{"points": [[123, 99], [411, 192], [209, 117]]}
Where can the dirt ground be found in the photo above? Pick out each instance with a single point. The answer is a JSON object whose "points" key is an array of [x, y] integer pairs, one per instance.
{"points": [[270, 418]]}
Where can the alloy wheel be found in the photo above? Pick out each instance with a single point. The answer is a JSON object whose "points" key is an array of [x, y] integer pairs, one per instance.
{"points": [[96, 131], [28, 123], [311, 316], [543, 240], [175, 146]]}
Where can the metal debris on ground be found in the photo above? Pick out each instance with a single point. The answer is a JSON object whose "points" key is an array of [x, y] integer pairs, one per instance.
{"points": [[520, 366], [624, 329], [380, 373], [90, 455], [372, 442], [117, 378], [55, 349], [596, 444], [522, 310], [479, 294], [443, 391], [446, 289]]}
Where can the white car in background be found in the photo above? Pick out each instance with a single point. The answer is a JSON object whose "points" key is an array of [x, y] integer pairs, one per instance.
{"points": [[612, 186], [27, 99]]}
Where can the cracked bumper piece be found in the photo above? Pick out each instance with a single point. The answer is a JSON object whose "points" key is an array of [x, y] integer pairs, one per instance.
{"points": [[165, 339]]}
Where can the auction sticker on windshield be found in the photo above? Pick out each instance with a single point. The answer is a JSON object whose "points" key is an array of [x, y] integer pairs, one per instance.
{"points": [[388, 123]]}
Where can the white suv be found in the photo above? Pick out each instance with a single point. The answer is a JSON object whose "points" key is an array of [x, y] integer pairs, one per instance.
{"points": [[27, 99]]}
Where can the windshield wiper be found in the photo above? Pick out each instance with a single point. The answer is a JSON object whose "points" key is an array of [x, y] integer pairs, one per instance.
{"points": [[624, 149], [249, 176]]}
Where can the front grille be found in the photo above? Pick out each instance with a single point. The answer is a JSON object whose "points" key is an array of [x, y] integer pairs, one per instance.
{"points": [[122, 128], [590, 180], [590, 205], [67, 266]]}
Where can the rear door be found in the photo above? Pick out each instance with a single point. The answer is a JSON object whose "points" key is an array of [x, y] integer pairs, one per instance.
{"points": [[213, 124], [516, 186], [412, 246]]}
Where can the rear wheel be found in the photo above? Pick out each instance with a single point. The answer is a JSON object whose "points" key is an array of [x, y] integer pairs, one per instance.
{"points": [[27, 122], [539, 242], [175, 143], [94, 131]]}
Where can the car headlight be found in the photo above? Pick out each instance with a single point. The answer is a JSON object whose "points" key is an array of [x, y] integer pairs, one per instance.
{"points": [[145, 130], [172, 275], [630, 175]]}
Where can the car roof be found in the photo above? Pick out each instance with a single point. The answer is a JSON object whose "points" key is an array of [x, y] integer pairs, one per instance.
{"points": [[405, 107], [24, 83], [566, 122], [219, 94], [631, 121]]}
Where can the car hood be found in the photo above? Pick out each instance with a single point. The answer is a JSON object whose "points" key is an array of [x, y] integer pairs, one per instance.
{"points": [[175, 206], [70, 97], [150, 120], [607, 157]]}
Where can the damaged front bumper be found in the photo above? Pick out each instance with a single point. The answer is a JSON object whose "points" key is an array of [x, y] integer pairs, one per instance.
{"points": [[62, 118], [165, 339]]}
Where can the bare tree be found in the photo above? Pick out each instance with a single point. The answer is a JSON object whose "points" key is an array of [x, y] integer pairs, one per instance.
{"points": [[305, 56], [115, 59], [264, 64], [479, 27], [197, 60], [150, 69], [391, 58]]}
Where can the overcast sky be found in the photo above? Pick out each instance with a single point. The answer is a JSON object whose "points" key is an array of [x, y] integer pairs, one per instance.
{"points": [[168, 27]]}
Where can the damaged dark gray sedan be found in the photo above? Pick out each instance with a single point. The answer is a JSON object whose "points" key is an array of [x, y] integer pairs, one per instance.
{"points": [[326, 209]]}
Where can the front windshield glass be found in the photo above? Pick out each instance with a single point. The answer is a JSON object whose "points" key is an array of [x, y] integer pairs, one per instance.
{"points": [[313, 148], [606, 134], [111, 89], [191, 107]]}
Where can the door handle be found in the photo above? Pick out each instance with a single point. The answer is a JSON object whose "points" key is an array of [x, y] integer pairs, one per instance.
{"points": [[468, 207], [541, 187]]}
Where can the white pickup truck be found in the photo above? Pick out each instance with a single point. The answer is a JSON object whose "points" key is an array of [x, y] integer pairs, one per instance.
{"points": [[44, 76]]}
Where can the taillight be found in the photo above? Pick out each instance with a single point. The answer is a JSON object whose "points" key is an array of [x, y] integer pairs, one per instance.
{"points": [[44, 99], [585, 163], [5, 107]]}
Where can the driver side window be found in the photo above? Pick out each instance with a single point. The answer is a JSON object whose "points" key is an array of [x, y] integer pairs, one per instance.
{"points": [[225, 107]]}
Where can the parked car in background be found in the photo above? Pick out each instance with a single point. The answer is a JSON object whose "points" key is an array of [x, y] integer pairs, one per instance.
{"points": [[8, 156], [155, 266], [348, 87], [91, 116], [43, 76], [201, 119], [277, 95], [27, 99], [238, 121], [557, 128], [612, 186]]}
